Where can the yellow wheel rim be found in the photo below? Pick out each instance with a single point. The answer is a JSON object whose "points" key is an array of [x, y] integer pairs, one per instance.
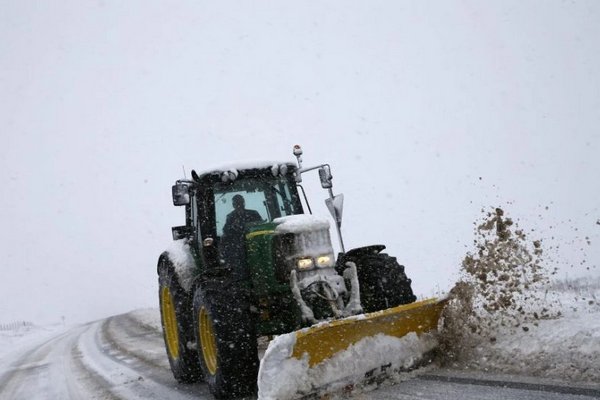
{"points": [[207, 341], [169, 322]]}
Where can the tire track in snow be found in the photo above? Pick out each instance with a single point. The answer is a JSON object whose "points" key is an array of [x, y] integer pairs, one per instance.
{"points": [[138, 341], [49, 370], [11, 380], [126, 375], [113, 359], [144, 348]]}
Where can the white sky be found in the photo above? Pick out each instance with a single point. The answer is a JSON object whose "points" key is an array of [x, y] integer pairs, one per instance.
{"points": [[101, 103]]}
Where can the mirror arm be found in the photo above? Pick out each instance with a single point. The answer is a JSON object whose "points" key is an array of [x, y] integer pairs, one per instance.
{"points": [[303, 170]]}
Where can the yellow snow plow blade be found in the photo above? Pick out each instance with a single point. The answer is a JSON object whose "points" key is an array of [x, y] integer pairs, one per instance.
{"points": [[322, 341]]}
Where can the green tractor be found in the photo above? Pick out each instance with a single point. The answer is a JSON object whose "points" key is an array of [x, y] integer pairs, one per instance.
{"points": [[250, 262]]}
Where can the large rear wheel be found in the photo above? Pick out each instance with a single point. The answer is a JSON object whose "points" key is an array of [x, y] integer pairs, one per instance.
{"points": [[226, 342], [177, 323]]}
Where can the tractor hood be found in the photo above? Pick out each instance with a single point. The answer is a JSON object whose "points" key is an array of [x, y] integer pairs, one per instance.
{"points": [[304, 237]]}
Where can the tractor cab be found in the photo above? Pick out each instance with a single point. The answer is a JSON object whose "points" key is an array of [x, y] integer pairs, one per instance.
{"points": [[270, 196], [216, 226]]}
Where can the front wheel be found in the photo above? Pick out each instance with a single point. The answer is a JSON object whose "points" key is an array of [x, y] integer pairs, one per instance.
{"points": [[176, 319], [383, 283], [226, 339]]}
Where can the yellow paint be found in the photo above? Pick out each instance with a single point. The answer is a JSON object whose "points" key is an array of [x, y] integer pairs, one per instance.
{"points": [[208, 341], [259, 233], [323, 341], [169, 323]]}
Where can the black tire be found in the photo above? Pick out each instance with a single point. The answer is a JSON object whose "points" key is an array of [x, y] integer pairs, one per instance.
{"points": [[383, 283], [227, 343], [176, 314]]}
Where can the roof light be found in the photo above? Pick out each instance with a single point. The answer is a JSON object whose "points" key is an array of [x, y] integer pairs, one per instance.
{"points": [[279, 169], [230, 175], [283, 169]]}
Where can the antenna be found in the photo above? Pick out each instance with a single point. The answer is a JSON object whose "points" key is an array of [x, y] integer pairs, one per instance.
{"points": [[184, 175]]}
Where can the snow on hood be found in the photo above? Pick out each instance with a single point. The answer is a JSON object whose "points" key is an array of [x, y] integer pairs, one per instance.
{"points": [[283, 377], [300, 223], [183, 261]]}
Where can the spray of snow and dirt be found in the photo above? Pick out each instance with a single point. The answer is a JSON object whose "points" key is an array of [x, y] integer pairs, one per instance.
{"points": [[506, 314]]}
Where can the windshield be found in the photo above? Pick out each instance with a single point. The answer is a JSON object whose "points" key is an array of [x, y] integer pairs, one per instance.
{"points": [[271, 198]]}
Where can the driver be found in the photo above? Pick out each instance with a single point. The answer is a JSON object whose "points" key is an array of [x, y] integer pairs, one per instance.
{"points": [[234, 230], [236, 222]]}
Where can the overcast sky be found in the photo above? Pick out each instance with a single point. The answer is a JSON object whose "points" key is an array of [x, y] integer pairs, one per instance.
{"points": [[427, 112]]}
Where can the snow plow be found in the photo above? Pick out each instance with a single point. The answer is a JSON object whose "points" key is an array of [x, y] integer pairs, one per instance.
{"points": [[250, 263], [324, 341]]}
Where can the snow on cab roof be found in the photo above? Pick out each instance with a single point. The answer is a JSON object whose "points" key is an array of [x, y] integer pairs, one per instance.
{"points": [[243, 165]]}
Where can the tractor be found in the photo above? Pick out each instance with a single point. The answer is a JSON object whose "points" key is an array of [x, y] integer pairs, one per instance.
{"points": [[252, 261]]}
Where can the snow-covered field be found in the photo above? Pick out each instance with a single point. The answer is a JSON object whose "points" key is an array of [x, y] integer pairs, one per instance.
{"points": [[124, 356]]}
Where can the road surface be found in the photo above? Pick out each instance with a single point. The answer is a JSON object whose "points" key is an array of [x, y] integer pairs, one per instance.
{"points": [[123, 358]]}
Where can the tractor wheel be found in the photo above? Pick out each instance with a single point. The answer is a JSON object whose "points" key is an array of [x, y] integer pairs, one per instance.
{"points": [[177, 323], [383, 283], [227, 342]]}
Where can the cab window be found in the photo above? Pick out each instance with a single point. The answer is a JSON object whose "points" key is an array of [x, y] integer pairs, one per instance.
{"points": [[271, 198]]}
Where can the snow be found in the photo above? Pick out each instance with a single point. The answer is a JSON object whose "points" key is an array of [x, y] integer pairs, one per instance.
{"points": [[564, 348], [183, 261], [147, 316], [354, 304], [242, 165], [305, 310], [507, 314], [312, 234], [284, 377], [300, 223], [328, 275], [15, 336]]}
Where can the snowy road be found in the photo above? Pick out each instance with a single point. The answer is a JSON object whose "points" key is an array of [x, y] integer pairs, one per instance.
{"points": [[123, 358], [117, 358]]}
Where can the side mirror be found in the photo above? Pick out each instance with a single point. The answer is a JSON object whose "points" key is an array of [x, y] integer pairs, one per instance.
{"points": [[325, 177], [182, 232], [181, 194]]}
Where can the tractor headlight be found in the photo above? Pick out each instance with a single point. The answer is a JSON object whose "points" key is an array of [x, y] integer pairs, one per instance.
{"points": [[325, 260], [304, 263]]}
